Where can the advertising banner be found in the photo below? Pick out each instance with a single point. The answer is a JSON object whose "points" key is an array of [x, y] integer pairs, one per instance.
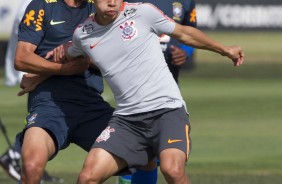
{"points": [[239, 14]]}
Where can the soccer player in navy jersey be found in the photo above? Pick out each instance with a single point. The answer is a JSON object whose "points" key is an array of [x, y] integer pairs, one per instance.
{"points": [[63, 109], [10, 159], [65, 104]]}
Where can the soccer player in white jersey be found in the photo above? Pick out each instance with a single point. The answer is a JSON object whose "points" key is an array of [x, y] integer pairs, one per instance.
{"points": [[150, 119]]}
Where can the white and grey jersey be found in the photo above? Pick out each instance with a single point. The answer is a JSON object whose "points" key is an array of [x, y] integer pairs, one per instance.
{"points": [[129, 55]]}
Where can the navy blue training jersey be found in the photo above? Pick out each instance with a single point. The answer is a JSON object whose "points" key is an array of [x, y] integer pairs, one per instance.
{"points": [[47, 24]]}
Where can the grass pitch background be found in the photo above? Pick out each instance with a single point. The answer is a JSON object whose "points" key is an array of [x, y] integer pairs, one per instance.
{"points": [[236, 116]]}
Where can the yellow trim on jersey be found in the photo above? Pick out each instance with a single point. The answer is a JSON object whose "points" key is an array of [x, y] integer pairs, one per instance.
{"points": [[51, 1], [25, 122]]}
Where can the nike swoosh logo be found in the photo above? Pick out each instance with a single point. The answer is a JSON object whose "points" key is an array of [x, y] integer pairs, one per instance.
{"points": [[55, 23], [173, 141], [93, 45]]}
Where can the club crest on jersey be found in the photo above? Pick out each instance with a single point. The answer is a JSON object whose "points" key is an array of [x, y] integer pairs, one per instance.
{"points": [[128, 30], [129, 13], [105, 135], [89, 28], [177, 10]]}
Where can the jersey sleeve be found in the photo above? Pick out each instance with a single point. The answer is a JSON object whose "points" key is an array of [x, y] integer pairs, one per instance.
{"points": [[159, 23], [33, 23], [190, 18], [76, 48]]}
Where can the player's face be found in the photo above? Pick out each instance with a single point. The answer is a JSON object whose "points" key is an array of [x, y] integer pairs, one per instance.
{"points": [[107, 10]]}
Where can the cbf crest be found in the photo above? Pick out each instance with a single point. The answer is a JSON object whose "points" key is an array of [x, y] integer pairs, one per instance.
{"points": [[105, 135], [128, 30], [177, 10], [88, 28]]}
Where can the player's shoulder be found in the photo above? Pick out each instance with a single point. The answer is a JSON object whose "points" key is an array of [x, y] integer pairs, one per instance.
{"points": [[139, 7], [44, 2], [90, 3], [41, 4], [185, 1], [87, 26], [188, 3]]}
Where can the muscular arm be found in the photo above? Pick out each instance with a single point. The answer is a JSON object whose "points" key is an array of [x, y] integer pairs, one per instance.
{"points": [[26, 60], [39, 68], [195, 38]]}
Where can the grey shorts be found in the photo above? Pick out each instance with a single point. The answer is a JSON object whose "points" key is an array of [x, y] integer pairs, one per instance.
{"points": [[139, 138]]}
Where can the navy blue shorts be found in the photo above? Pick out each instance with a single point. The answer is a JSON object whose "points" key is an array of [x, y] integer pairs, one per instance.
{"points": [[79, 122]]}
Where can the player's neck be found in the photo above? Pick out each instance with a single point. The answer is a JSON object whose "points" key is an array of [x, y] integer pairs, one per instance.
{"points": [[103, 20]]}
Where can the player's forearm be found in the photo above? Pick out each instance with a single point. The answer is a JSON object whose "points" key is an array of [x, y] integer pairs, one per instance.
{"points": [[41, 78], [29, 82], [37, 65], [196, 38], [35, 79], [26, 60]]}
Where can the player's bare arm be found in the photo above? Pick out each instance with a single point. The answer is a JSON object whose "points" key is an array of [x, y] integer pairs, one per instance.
{"points": [[195, 38], [39, 68], [30, 81], [26, 60]]}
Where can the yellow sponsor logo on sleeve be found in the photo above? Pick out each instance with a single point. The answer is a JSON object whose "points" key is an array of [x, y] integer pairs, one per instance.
{"points": [[39, 20], [29, 17], [193, 16]]}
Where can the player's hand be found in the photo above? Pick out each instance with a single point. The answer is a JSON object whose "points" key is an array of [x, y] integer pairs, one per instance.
{"points": [[179, 56], [57, 55], [236, 54], [29, 82], [75, 66]]}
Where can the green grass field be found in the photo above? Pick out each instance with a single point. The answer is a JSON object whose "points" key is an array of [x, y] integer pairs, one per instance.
{"points": [[235, 115]]}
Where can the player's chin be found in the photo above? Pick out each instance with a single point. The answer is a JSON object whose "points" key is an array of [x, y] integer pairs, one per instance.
{"points": [[111, 14]]}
